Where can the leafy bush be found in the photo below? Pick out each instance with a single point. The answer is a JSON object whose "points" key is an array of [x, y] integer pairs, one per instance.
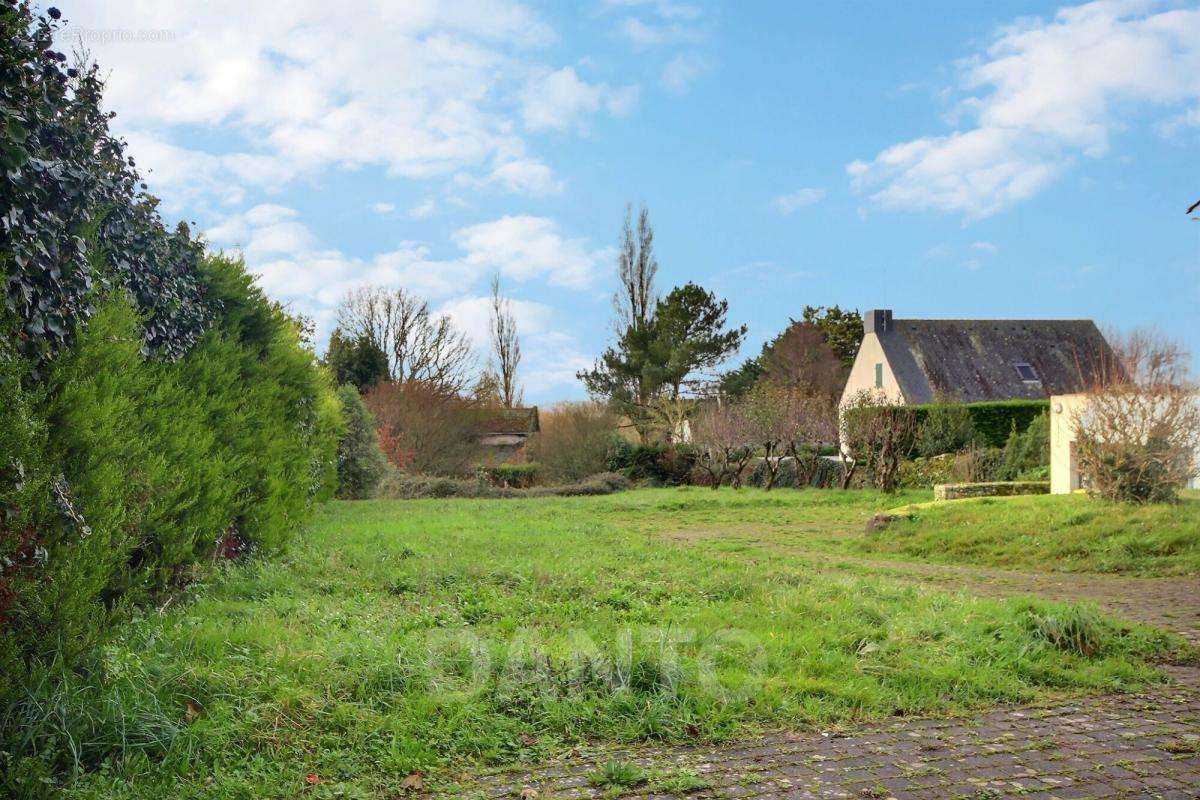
{"points": [[1027, 453], [573, 441], [992, 421], [402, 486], [947, 427], [653, 462], [516, 476], [65, 180], [157, 467], [159, 410], [361, 464], [978, 465], [922, 473]]}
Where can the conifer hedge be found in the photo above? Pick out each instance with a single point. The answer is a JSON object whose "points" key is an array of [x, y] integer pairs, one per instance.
{"points": [[159, 411]]}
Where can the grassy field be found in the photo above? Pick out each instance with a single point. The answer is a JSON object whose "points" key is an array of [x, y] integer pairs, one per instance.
{"points": [[436, 636], [1071, 533]]}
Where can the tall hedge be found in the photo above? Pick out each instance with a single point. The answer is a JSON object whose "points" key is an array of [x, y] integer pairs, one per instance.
{"points": [[993, 421], [159, 411]]}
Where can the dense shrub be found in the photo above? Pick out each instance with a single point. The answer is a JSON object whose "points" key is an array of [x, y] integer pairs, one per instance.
{"points": [[402, 486], [922, 473], [1138, 433], [361, 464], [653, 462], [516, 476], [992, 421], [978, 465], [159, 411], [573, 441], [64, 179], [154, 468], [946, 427], [1027, 453], [821, 472]]}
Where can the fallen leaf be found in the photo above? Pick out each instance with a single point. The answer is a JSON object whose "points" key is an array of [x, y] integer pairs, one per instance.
{"points": [[312, 779], [412, 782], [193, 711]]}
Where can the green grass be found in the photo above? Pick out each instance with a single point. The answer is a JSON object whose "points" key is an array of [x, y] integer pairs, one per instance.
{"points": [[438, 636], [1049, 532]]}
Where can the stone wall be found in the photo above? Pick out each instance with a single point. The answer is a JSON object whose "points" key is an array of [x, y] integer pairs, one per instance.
{"points": [[959, 491]]}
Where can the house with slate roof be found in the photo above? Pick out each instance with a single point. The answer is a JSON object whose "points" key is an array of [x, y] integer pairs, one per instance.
{"points": [[974, 360]]}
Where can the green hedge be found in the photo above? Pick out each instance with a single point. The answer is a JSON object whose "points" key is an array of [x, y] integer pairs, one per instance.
{"points": [[516, 476], [122, 475], [993, 421]]}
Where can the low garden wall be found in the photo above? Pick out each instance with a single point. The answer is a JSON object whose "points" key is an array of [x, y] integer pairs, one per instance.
{"points": [[959, 491]]}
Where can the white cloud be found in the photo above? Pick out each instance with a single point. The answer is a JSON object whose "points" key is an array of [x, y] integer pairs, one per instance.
{"points": [[516, 175], [294, 267], [681, 71], [269, 214], [664, 8], [424, 209], [472, 315], [1044, 92], [383, 209], [790, 203], [971, 256], [419, 89], [550, 358], [560, 99], [525, 247]]}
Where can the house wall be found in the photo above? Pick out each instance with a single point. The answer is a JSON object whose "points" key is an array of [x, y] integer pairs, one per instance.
{"points": [[1064, 471], [862, 374]]}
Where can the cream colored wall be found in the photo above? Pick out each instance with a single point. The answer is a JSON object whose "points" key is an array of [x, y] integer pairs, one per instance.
{"points": [[862, 374], [1064, 475]]}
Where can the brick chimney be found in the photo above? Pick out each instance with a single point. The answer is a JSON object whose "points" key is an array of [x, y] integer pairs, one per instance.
{"points": [[877, 320]]}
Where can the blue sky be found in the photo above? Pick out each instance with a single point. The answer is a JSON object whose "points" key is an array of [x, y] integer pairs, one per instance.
{"points": [[940, 159]]}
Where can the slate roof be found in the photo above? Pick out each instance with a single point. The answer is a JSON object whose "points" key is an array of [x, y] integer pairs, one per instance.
{"points": [[494, 421], [975, 360]]}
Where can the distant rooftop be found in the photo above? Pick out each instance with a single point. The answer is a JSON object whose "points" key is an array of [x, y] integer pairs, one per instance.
{"points": [[983, 359]]}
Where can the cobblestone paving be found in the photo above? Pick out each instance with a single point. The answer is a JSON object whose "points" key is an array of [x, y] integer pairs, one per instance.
{"points": [[1144, 745]]}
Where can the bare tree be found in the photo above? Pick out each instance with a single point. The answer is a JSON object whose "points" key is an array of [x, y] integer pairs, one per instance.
{"points": [[505, 347], [812, 425], [634, 302], [769, 422], [420, 346], [1138, 434], [724, 443], [880, 433]]}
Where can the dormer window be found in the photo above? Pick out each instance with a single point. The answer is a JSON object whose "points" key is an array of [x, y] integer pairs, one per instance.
{"points": [[1027, 373]]}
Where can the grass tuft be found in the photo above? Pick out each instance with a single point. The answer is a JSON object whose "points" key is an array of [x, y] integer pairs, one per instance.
{"points": [[618, 775]]}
